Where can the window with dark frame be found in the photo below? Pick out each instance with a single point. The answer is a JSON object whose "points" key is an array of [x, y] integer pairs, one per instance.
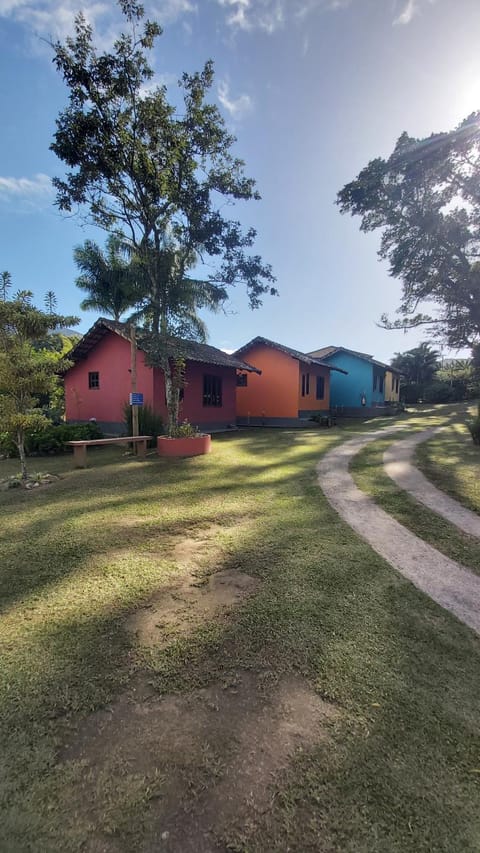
{"points": [[305, 384], [320, 387], [212, 390], [380, 384], [242, 380], [94, 379]]}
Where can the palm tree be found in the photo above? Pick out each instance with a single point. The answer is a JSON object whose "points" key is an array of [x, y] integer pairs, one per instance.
{"points": [[169, 310], [417, 365], [109, 278]]}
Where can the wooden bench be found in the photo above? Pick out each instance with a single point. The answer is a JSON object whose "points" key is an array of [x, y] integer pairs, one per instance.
{"points": [[80, 447]]}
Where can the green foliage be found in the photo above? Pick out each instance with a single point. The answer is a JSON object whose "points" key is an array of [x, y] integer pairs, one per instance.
{"points": [[49, 438], [418, 364], [425, 380], [50, 302], [149, 423], [111, 278], [5, 284], [425, 200], [26, 372], [162, 174], [184, 430]]}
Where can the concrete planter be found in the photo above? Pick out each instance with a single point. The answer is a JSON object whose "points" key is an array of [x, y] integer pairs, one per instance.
{"points": [[195, 445]]}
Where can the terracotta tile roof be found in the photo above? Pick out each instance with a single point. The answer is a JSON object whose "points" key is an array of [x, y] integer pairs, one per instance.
{"points": [[305, 358], [190, 350], [325, 352]]}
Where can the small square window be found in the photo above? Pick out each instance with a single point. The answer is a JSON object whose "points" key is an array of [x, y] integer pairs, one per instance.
{"points": [[94, 379], [242, 380]]}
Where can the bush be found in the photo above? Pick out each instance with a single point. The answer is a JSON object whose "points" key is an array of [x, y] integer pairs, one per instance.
{"points": [[185, 430], [51, 439], [474, 427], [7, 447], [149, 423]]}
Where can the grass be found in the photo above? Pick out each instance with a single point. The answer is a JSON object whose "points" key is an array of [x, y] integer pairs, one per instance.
{"points": [[400, 770], [452, 461], [368, 473]]}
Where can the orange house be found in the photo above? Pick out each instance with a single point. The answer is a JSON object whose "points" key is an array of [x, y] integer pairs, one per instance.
{"points": [[291, 388]]}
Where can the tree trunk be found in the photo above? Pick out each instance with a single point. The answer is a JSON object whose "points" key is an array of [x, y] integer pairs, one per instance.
{"points": [[21, 453], [171, 394]]}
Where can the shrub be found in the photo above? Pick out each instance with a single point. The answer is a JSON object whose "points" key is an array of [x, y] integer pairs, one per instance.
{"points": [[149, 423], [474, 427], [51, 439], [185, 430], [7, 447]]}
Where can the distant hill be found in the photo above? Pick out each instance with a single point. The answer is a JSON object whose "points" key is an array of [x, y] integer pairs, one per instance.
{"points": [[69, 333]]}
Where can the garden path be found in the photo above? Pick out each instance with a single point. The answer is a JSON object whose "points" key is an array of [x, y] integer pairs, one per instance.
{"points": [[447, 582], [398, 463]]}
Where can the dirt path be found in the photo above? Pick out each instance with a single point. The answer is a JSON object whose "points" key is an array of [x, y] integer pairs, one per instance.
{"points": [[445, 581], [399, 466]]}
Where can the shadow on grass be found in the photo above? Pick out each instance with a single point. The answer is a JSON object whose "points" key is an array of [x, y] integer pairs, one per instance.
{"points": [[403, 672]]}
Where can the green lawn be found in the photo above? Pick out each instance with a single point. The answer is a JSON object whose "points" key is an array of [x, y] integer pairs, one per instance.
{"points": [[368, 473], [452, 461], [398, 767]]}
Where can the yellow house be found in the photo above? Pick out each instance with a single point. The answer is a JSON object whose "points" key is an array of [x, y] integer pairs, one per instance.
{"points": [[392, 385]]}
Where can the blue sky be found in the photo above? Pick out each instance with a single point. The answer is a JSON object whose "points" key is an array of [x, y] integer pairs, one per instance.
{"points": [[313, 89]]}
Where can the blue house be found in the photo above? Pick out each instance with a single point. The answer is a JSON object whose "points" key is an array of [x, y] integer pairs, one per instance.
{"points": [[363, 389]]}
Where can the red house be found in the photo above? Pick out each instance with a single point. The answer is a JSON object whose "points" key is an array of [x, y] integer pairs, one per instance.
{"points": [[99, 382]]}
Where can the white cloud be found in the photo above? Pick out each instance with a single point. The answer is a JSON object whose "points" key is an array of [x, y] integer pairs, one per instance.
{"points": [[271, 15], [167, 11], [410, 9], [266, 15], [237, 107], [54, 18], [28, 188], [239, 14], [407, 13]]}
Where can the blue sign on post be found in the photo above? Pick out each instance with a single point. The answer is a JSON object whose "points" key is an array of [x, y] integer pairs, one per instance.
{"points": [[136, 399]]}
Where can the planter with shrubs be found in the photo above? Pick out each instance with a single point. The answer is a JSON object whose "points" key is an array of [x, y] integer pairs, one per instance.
{"points": [[186, 441]]}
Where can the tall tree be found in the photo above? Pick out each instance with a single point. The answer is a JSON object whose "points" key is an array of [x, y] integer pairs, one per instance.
{"points": [[425, 198], [417, 365], [153, 170], [5, 284], [26, 373], [50, 302], [110, 277], [179, 297]]}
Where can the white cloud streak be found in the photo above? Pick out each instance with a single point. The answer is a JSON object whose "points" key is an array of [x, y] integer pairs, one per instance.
{"points": [[266, 15], [26, 188], [270, 15], [236, 107], [54, 18], [410, 9]]}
